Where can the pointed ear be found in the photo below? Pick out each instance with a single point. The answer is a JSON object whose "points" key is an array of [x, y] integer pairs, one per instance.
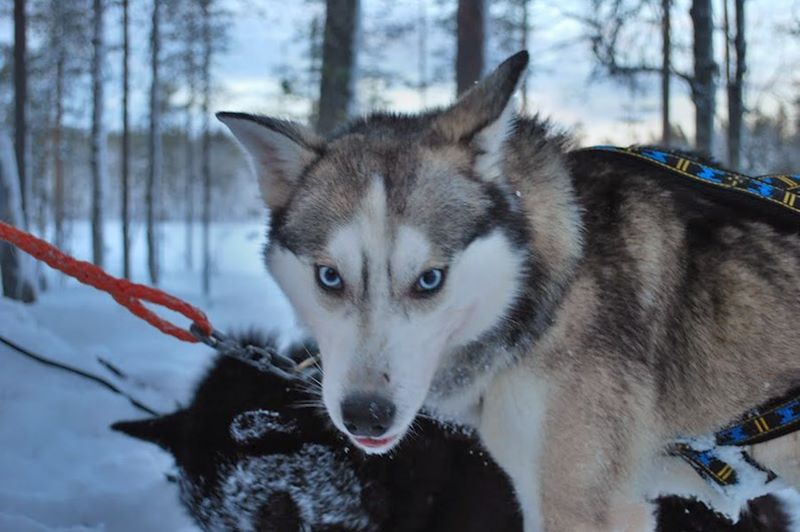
{"points": [[165, 431], [279, 149], [483, 115]]}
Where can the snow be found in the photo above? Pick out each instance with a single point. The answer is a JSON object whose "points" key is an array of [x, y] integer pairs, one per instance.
{"points": [[253, 425], [61, 467]]}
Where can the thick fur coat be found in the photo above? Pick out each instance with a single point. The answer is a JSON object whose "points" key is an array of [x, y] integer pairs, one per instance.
{"points": [[252, 455], [577, 311]]}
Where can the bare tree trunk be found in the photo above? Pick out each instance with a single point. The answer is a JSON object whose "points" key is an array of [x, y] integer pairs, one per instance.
{"points": [[16, 283], [422, 50], [125, 162], [666, 71], [736, 88], [339, 50], [189, 185], [21, 101], [471, 20], [206, 155], [58, 152], [524, 28], [154, 149], [704, 85], [98, 148]]}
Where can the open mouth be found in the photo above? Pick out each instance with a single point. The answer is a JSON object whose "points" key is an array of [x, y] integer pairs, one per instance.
{"points": [[375, 443]]}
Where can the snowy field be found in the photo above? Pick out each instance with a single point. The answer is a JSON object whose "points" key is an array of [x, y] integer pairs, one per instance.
{"points": [[61, 468]]}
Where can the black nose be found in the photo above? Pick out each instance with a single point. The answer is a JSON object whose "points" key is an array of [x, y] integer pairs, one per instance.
{"points": [[367, 415]]}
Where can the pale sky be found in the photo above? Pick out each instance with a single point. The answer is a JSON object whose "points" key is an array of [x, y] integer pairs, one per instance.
{"points": [[264, 37], [560, 85]]}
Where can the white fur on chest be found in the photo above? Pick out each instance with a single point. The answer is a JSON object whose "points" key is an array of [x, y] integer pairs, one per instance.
{"points": [[512, 429]]}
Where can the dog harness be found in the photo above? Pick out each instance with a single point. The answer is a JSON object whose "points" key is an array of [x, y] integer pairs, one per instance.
{"points": [[772, 420], [720, 459], [778, 189]]}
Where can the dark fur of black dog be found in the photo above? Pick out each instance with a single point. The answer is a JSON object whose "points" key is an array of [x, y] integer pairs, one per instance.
{"points": [[256, 452]]}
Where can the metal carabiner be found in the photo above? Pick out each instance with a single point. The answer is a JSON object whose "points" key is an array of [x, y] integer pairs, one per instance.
{"points": [[259, 357]]}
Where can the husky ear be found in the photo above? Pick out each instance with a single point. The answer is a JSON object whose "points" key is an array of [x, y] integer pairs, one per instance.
{"points": [[484, 114], [279, 149], [165, 431]]}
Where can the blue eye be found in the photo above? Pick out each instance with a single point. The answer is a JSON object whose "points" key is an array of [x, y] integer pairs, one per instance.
{"points": [[328, 278], [430, 281]]}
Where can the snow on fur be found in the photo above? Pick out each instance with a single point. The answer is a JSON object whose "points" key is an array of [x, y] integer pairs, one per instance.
{"points": [[324, 489], [255, 424]]}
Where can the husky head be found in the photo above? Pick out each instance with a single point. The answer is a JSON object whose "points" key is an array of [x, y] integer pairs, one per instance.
{"points": [[397, 241]]}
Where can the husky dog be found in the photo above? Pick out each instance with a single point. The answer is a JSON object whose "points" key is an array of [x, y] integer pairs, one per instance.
{"points": [[251, 455], [579, 311]]}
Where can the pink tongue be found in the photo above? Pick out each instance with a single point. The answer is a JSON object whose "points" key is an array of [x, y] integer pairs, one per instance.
{"points": [[373, 442]]}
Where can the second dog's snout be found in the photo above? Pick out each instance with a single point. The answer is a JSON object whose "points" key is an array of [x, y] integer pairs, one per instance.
{"points": [[367, 415]]}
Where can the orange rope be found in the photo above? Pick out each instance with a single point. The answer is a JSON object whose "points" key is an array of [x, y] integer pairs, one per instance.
{"points": [[129, 295]]}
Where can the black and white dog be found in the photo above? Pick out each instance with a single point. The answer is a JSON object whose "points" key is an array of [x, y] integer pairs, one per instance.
{"points": [[256, 452]]}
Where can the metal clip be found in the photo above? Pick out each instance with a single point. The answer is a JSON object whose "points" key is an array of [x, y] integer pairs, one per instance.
{"points": [[262, 359]]}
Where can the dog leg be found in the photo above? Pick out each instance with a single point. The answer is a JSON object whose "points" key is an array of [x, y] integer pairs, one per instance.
{"points": [[590, 456], [511, 429]]}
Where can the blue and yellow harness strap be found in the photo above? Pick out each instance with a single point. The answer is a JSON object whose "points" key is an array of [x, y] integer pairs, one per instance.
{"points": [[708, 463], [761, 424], [778, 417], [779, 189]]}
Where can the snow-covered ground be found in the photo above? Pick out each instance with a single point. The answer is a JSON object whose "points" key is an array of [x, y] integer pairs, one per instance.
{"points": [[61, 468]]}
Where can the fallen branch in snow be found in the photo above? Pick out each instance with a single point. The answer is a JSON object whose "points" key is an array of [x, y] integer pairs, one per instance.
{"points": [[79, 372], [121, 375]]}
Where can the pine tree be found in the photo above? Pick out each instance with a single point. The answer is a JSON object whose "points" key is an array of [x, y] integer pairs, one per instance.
{"points": [[208, 49], [98, 135], [471, 23], [734, 73], [705, 68], [154, 144], [16, 281], [21, 102], [126, 143], [338, 63]]}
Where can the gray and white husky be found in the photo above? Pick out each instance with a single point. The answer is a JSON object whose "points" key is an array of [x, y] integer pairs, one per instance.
{"points": [[576, 312]]}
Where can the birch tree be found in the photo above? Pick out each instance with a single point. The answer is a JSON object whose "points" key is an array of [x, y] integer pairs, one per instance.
{"points": [[98, 135]]}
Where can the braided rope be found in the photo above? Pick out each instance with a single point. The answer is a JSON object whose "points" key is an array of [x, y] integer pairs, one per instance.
{"points": [[129, 295]]}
